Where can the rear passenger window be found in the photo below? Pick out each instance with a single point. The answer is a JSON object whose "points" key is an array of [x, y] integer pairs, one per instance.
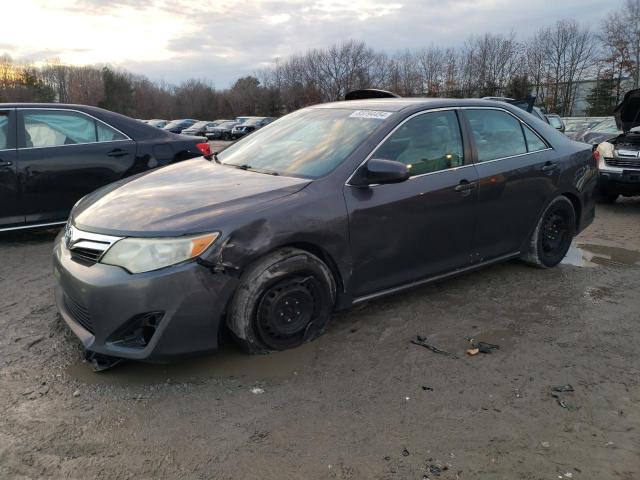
{"points": [[54, 128], [534, 143], [427, 143], [496, 134], [108, 134]]}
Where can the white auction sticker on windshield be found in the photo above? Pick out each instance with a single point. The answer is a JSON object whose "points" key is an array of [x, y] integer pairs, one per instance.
{"points": [[376, 114]]}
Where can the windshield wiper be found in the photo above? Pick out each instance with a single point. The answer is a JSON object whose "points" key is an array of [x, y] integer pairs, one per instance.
{"points": [[246, 166]]}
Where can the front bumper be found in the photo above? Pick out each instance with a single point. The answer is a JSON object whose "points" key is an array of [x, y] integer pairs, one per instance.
{"points": [[99, 302], [624, 182]]}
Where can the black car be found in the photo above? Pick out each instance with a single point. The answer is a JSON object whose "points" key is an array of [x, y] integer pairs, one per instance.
{"points": [[324, 208], [221, 131], [51, 155], [177, 126], [619, 164], [200, 129], [157, 122], [249, 126]]}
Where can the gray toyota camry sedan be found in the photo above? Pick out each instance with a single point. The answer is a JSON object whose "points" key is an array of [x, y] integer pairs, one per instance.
{"points": [[324, 208]]}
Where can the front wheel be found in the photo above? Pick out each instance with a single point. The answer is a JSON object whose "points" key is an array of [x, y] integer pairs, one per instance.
{"points": [[553, 234], [284, 300]]}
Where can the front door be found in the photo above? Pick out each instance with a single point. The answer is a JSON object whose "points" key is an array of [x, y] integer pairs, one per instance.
{"points": [[422, 227], [9, 199], [63, 155]]}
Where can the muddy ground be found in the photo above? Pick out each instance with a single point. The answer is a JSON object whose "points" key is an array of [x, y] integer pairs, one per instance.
{"points": [[362, 401]]}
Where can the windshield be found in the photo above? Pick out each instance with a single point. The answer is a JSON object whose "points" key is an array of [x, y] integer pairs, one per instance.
{"points": [[227, 124], [308, 143], [607, 126], [199, 125]]}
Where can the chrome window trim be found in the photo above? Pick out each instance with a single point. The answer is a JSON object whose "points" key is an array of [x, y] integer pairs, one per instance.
{"points": [[423, 112], [54, 109], [37, 225], [461, 133]]}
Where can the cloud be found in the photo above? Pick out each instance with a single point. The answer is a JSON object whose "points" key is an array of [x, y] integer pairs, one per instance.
{"points": [[221, 41]]}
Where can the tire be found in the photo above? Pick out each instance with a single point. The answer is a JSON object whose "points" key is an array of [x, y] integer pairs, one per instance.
{"points": [[263, 314], [552, 237]]}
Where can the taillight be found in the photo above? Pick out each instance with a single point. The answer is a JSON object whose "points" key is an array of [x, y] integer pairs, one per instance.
{"points": [[596, 158], [204, 148]]}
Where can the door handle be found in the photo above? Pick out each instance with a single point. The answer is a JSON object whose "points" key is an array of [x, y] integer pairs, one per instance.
{"points": [[5, 164], [464, 186], [549, 167], [117, 153]]}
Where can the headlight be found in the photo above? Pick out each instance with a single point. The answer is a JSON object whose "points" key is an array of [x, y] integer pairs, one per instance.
{"points": [[138, 255]]}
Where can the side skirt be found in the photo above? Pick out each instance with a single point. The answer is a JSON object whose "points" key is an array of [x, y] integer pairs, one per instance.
{"points": [[454, 273]]}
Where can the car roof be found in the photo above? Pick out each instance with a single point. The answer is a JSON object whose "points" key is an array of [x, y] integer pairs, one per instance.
{"points": [[133, 128], [397, 104]]}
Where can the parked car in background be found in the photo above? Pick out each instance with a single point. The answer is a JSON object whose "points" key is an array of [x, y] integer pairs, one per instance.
{"points": [[331, 206], [222, 131], [249, 126], [602, 132], [199, 128], [158, 123], [555, 121], [51, 155], [619, 157], [528, 106], [176, 126], [576, 126], [243, 119]]}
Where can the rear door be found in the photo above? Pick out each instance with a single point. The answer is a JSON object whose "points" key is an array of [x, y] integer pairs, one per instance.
{"points": [[62, 156], [517, 174], [9, 210]]}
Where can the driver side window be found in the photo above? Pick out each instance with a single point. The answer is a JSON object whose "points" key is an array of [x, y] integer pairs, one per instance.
{"points": [[427, 143]]}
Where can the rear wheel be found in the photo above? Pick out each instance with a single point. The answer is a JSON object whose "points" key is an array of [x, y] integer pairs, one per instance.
{"points": [[553, 234], [284, 300]]}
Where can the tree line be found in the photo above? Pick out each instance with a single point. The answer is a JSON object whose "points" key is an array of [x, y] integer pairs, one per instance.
{"points": [[551, 65]]}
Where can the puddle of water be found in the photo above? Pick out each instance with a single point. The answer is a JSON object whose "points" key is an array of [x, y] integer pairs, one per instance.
{"points": [[228, 362], [584, 255]]}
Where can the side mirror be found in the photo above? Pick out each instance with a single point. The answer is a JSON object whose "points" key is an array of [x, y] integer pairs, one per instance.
{"points": [[378, 170]]}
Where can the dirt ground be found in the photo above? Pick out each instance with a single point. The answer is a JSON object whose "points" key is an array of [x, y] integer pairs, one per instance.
{"points": [[360, 402]]}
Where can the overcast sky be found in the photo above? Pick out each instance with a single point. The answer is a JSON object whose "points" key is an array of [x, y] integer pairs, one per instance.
{"points": [[220, 40]]}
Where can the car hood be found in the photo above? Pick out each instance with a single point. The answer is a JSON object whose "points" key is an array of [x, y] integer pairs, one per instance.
{"points": [[627, 114], [187, 197]]}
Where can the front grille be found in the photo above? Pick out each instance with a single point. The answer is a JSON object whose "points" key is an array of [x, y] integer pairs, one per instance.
{"points": [[79, 313], [86, 247], [623, 162], [87, 255]]}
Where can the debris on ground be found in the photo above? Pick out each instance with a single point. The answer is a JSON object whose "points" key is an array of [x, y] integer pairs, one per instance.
{"points": [[257, 390], [100, 363], [562, 388], [480, 347], [405, 452], [34, 341], [436, 469], [427, 389], [559, 393], [422, 341], [76, 393]]}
